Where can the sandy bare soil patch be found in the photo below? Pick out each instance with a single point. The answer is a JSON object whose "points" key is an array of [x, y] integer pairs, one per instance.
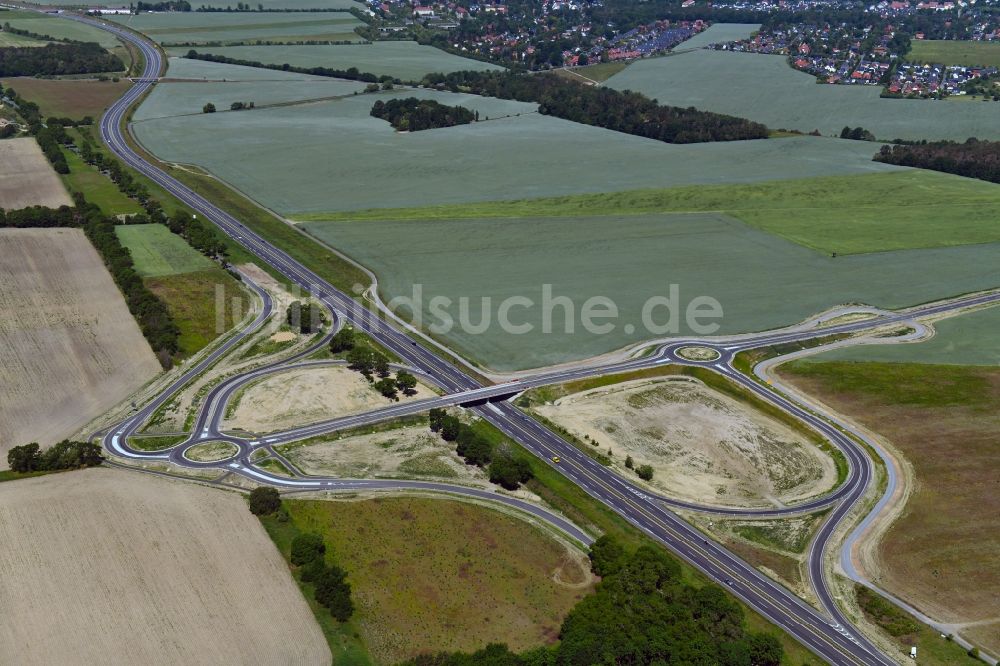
{"points": [[111, 567], [69, 348], [412, 452], [702, 445], [27, 178], [303, 396]]}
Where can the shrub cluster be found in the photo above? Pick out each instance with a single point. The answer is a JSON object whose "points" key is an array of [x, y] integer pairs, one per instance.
{"points": [[506, 468], [370, 362], [64, 455], [329, 582]]}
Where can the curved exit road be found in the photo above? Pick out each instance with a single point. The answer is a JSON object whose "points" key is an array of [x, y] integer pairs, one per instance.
{"points": [[829, 635]]}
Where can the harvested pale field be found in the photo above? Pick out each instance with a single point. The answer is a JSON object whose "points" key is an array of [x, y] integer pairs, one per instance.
{"points": [[111, 567], [69, 348], [303, 396], [403, 452], [702, 445], [27, 178]]}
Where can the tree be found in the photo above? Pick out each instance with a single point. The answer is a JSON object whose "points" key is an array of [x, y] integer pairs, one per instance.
{"points": [[509, 470], [406, 382], [629, 463], [387, 387], [208, 108], [342, 341], [436, 416], [606, 556], [765, 649], [307, 547], [302, 316], [645, 472], [23, 458], [333, 591], [264, 501]]}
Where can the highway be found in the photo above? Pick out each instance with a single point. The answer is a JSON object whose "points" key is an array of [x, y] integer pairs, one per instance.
{"points": [[826, 632]]}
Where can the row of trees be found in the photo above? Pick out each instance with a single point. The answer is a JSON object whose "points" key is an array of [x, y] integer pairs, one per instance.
{"points": [[505, 467], [351, 73], [622, 111], [310, 557], [64, 455], [412, 114], [973, 158], [371, 362], [57, 58], [48, 139], [642, 612]]}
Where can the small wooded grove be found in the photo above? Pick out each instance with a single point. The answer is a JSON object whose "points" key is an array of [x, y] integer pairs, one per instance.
{"points": [[618, 110], [973, 159], [149, 311], [64, 455], [412, 114], [505, 466], [642, 612], [61, 58]]}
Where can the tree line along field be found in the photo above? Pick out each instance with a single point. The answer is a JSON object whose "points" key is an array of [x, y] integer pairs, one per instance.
{"points": [[224, 27], [952, 52], [940, 554], [761, 280], [287, 167], [402, 60], [138, 569], [766, 89], [70, 348]]}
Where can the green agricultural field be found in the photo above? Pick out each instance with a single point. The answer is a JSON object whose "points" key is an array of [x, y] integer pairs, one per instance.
{"points": [[760, 280], [60, 28], [718, 33], [157, 251], [289, 166], [903, 210], [430, 575], [403, 60], [185, 98], [948, 52], [10, 39], [971, 339], [764, 88], [228, 27]]}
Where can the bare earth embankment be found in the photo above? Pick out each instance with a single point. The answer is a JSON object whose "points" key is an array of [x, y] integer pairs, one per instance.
{"points": [[702, 445], [69, 348], [27, 179], [111, 567]]}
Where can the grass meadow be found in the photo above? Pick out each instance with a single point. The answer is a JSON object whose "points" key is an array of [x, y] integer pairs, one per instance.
{"points": [[157, 251], [969, 339], [950, 52], [403, 60], [225, 27], [431, 575], [766, 89]]}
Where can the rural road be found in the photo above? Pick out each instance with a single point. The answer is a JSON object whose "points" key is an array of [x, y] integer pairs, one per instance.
{"points": [[826, 632]]}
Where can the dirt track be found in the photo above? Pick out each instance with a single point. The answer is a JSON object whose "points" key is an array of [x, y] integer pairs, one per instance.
{"points": [[69, 348], [111, 567], [27, 178]]}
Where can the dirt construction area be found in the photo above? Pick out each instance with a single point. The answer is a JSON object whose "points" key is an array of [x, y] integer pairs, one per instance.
{"points": [[27, 179], [303, 396], [69, 348], [702, 445], [105, 566]]}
